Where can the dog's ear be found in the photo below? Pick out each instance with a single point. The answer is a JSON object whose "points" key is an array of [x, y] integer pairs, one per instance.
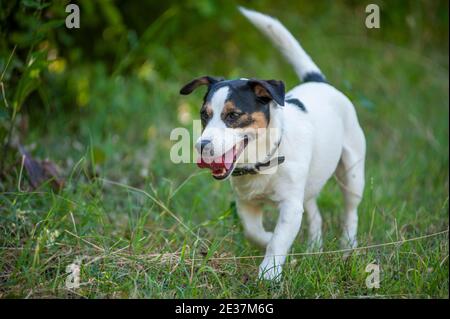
{"points": [[268, 90], [195, 83]]}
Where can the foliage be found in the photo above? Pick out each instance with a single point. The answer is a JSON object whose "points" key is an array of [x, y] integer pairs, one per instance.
{"points": [[100, 101]]}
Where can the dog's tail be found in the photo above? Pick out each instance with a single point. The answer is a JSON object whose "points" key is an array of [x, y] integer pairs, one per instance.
{"points": [[304, 66]]}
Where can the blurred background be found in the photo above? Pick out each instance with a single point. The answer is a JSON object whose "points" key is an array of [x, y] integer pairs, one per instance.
{"points": [[101, 101], [112, 85]]}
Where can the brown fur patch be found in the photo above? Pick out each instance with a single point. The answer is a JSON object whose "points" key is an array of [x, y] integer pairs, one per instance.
{"points": [[244, 121], [259, 120], [261, 91], [229, 107], [207, 107], [252, 120]]}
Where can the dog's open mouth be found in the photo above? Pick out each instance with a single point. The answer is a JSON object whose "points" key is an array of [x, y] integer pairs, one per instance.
{"points": [[221, 167]]}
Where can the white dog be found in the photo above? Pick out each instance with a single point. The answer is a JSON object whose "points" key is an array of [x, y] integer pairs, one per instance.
{"points": [[317, 134]]}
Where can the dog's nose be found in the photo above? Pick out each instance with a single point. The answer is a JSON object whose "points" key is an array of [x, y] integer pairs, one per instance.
{"points": [[204, 146]]}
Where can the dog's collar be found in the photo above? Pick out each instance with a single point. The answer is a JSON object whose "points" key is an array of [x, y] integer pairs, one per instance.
{"points": [[264, 165], [258, 167]]}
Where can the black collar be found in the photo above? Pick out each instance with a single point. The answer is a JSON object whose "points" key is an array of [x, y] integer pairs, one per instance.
{"points": [[258, 167], [261, 166]]}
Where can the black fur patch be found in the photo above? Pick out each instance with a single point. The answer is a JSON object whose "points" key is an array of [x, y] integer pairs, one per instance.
{"points": [[314, 77], [243, 97], [297, 103]]}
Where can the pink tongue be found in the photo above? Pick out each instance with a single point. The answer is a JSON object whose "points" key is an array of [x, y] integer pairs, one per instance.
{"points": [[219, 163]]}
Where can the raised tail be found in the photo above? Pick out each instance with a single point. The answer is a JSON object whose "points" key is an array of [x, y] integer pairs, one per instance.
{"points": [[303, 65]]}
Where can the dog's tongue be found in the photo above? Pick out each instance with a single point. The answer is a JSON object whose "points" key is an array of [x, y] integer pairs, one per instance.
{"points": [[219, 163]]}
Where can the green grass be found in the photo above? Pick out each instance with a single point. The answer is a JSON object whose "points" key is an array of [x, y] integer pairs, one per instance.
{"points": [[172, 235]]}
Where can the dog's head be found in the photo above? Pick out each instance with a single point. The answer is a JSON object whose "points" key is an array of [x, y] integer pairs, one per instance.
{"points": [[232, 113]]}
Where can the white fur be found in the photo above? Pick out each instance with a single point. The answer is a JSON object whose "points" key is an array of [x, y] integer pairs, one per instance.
{"points": [[325, 140], [316, 144], [222, 138], [283, 40]]}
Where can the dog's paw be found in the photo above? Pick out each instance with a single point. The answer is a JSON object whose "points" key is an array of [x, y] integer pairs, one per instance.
{"points": [[349, 245], [314, 246], [270, 271]]}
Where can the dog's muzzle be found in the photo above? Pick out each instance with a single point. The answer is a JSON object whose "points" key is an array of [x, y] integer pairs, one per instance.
{"points": [[220, 166]]}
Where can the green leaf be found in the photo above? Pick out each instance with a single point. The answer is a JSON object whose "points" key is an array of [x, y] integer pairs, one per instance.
{"points": [[35, 4], [30, 79], [54, 24]]}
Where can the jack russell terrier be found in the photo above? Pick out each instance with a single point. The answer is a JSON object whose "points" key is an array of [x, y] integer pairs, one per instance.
{"points": [[317, 134]]}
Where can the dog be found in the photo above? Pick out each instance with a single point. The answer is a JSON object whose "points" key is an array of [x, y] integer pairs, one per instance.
{"points": [[317, 136]]}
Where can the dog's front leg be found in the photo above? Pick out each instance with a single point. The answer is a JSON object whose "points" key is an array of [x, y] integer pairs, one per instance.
{"points": [[286, 230], [252, 219]]}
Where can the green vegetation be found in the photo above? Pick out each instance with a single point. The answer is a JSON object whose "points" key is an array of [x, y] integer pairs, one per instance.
{"points": [[100, 101]]}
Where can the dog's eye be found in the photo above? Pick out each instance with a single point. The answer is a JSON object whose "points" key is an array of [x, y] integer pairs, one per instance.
{"points": [[204, 115], [233, 116]]}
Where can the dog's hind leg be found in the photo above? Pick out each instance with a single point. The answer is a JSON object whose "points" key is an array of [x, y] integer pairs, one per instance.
{"points": [[252, 220], [350, 176], [315, 225]]}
